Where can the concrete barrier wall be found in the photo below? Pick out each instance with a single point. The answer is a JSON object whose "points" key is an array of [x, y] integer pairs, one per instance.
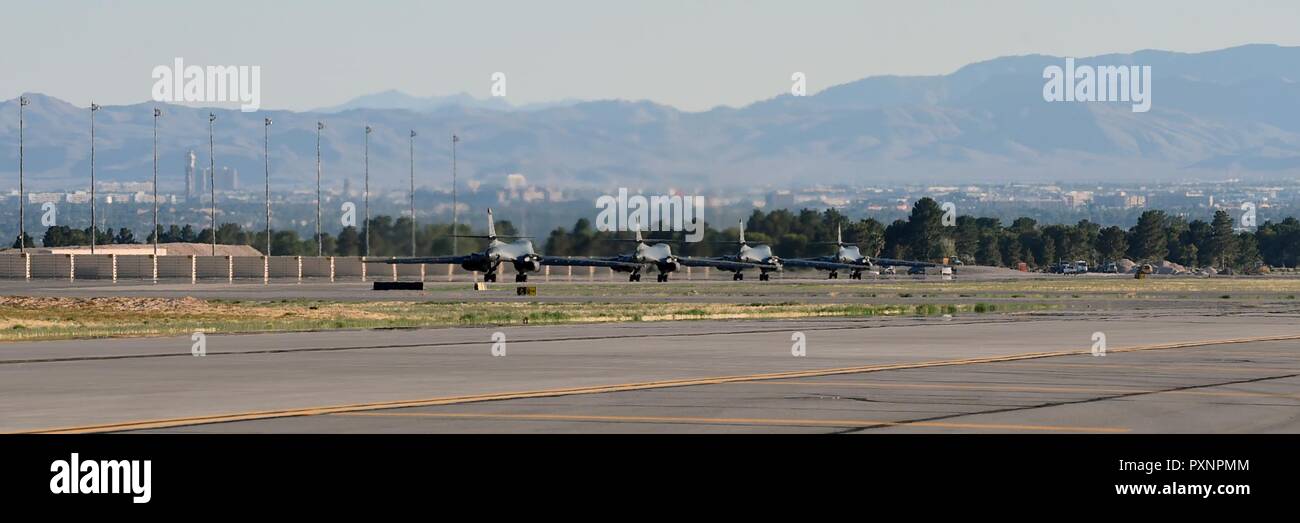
{"points": [[347, 268], [213, 267], [249, 267], [13, 266], [51, 265], [316, 266], [177, 266], [135, 267], [284, 267], [378, 271], [94, 266], [411, 271], [218, 268]]}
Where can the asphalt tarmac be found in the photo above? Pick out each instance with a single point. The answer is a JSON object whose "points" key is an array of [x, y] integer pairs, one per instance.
{"points": [[1173, 370]]}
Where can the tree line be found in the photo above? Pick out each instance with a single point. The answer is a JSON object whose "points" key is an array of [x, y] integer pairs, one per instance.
{"points": [[923, 235], [388, 237]]}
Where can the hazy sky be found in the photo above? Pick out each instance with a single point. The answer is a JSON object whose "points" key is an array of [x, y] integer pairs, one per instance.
{"points": [[690, 54]]}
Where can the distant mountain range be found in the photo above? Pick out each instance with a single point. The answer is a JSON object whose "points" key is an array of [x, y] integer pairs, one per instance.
{"points": [[1227, 113], [394, 99]]}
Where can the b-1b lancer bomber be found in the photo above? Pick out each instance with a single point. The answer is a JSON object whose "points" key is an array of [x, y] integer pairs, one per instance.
{"points": [[519, 252], [848, 257], [747, 257]]}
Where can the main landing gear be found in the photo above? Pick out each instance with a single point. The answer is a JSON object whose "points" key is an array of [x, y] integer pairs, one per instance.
{"points": [[521, 277], [855, 275], [490, 277], [636, 276], [738, 276], [764, 276], [833, 275]]}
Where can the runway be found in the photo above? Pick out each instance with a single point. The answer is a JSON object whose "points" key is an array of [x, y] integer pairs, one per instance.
{"points": [[1021, 373]]}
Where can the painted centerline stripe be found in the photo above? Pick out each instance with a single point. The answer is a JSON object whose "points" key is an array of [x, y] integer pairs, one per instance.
{"points": [[1019, 388], [731, 421]]}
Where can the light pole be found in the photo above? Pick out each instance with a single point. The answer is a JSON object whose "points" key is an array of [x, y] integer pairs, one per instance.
{"points": [[156, 113], [320, 242], [367, 189], [266, 154], [22, 196], [412, 193], [93, 109], [212, 182], [455, 208]]}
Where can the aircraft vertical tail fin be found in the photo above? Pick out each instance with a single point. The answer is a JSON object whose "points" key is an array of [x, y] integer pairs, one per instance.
{"points": [[636, 226], [839, 235], [492, 226], [742, 232]]}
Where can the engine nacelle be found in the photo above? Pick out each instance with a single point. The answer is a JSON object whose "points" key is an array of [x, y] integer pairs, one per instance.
{"points": [[477, 262], [528, 264]]}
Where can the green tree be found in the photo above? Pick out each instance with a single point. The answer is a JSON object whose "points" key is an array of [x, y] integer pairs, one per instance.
{"points": [[1223, 241], [1112, 243], [1148, 242]]}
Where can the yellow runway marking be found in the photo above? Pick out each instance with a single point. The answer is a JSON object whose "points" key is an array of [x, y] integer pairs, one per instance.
{"points": [[734, 421], [1018, 388], [1183, 367], [451, 400]]}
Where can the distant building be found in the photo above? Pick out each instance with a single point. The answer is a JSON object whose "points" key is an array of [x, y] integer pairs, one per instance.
{"points": [[191, 185], [227, 179]]}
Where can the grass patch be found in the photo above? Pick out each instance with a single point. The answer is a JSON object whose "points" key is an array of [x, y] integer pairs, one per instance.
{"points": [[83, 318]]}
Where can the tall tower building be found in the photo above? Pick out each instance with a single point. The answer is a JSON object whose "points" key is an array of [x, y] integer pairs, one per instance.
{"points": [[191, 185]]}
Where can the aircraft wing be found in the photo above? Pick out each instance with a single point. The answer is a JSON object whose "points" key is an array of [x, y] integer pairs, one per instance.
{"points": [[825, 265], [455, 260], [889, 262], [562, 261], [726, 265]]}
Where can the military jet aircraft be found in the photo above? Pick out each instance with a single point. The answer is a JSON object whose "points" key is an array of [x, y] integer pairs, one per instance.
{"points": [[519, 252], [656, 255], [747, 257], [849, 257]]}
